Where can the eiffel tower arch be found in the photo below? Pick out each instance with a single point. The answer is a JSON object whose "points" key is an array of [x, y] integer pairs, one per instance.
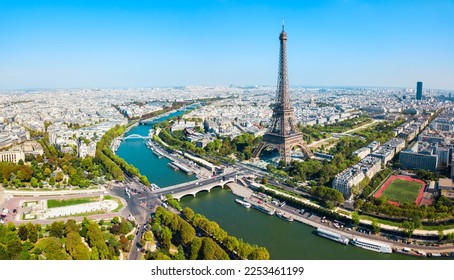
{"points": [[282, 133]]}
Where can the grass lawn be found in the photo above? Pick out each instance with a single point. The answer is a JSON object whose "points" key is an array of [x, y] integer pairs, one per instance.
{"points": [[396, 224], [402, 191], [120, 205], [52, 203]]}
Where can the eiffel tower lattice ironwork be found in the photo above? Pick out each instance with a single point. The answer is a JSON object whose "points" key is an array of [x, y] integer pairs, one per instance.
{"points": [[282, 133]]}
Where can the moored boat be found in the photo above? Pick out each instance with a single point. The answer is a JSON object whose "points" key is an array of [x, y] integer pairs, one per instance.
{"points": [[332, 235], [372, 245], [243, 203], [283, 216]]}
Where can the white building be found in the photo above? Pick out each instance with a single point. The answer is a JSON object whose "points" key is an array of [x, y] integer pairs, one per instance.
{"points": [[345, 180], [12, 156], [362, 153]]}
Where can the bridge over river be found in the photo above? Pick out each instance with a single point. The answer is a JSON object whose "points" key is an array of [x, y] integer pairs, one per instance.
{"points": [[134, 136], [194, 187]]}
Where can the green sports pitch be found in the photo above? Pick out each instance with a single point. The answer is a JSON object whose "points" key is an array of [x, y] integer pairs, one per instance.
{"points": [[402, 191]]}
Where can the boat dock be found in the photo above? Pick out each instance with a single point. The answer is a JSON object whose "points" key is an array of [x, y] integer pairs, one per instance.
{"points": [[181, 167], [260, 205], [158, 153]]}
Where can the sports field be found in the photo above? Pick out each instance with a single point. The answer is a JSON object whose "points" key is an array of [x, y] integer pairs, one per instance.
{"points": [[401, 189]]}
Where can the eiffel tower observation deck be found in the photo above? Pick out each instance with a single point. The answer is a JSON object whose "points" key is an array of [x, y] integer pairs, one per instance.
{"points": [[282, 133]]}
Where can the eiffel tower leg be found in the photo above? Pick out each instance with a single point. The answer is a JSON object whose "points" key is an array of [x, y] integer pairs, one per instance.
{"points": [[258, 150]]}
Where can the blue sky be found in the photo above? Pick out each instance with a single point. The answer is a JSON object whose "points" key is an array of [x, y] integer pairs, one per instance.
{"points": [[54, 44]]}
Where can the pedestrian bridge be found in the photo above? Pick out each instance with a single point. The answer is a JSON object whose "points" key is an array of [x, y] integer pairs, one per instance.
{"points": [[134, 136], [200, 188]]}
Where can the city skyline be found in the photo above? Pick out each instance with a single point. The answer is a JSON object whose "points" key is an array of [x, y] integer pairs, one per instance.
{"points": [[80, 44]]}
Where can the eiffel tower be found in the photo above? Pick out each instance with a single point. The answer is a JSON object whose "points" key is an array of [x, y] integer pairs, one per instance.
{"points": [[282, 134]]}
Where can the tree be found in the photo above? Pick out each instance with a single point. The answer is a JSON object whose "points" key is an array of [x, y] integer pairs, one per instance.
{"points": [[14, 249], [124, 227], [57, 229], [94, 255], [52, 248], [265, 180], [187, 232], [188, 213], [180, 254], [212, 251], [166, 237], [74, 246], [47, 171], [195, 248], [441, 228], [22, 232], [244, 249], [59, 176], [409, 227], [52, 181], [148, 236], [355, 218], [34, 182], [95, 238], [231, 242], [32, 233], [375, 226], [259, 253], [71, 226]]}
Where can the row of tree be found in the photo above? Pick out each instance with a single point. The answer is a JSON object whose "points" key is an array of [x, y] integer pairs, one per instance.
{"points": [[65, 240], [170, 228], [113, 163]]}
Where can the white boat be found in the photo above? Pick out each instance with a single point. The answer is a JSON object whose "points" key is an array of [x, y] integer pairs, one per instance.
{"points": [[262, 207], [332, 235], [154, 187], [283, 216], [372, 245], [158, 153], [244, 203]]}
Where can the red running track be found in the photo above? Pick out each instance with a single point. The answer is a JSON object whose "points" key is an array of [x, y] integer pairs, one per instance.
{"points": [[406, 178]]}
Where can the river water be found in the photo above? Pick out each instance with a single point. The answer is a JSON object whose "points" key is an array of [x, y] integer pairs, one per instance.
{"points": [[156, 169], [284, 240]]}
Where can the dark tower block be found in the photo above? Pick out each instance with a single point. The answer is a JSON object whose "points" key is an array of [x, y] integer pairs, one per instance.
{"points": [[419, 91], [282, 133]]}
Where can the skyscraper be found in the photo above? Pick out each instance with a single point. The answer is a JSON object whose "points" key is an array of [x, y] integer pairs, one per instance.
{"points": [[419, 91], [282, 133]]}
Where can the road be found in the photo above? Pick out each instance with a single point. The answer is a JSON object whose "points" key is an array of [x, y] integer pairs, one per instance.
{"points": [[143, 201], [315, 220]]}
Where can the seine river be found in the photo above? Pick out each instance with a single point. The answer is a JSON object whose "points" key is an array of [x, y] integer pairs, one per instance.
{"points": [[283, 240]]}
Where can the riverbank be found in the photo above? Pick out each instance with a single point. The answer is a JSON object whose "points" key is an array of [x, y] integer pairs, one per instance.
{"points": [[315, 221]]}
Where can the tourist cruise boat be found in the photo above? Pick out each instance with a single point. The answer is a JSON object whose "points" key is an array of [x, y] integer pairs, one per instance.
{"points": [[244, 203], [332, 235], [372, 245]]}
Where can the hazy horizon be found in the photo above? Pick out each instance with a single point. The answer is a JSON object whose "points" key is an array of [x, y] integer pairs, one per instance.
{"points": [[137, 44]]}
